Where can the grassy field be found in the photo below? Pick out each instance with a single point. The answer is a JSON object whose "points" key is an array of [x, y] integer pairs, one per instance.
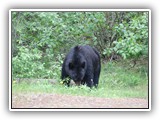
{"points": [[117, 80]]}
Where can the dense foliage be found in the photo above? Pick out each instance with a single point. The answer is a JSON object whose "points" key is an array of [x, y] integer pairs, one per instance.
{"points": [[40, 40]]}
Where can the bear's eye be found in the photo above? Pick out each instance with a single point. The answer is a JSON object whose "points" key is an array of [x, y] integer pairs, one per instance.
{"points": [[71, 66], [83, 65]]}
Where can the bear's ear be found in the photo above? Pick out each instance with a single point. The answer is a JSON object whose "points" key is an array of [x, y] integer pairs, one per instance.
{"points": [[83, 65], [71, 66], [77, 48]]}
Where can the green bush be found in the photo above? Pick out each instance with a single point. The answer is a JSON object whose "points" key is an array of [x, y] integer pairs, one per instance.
{"points": [[133, 37], [40, 40], [29, 64]]}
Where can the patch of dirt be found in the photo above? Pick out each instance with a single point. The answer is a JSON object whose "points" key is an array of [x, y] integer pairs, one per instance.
{"points": [[68, 101]]}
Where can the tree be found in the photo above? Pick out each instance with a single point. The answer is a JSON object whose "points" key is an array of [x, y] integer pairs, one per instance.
{"points": [[43, 38]]}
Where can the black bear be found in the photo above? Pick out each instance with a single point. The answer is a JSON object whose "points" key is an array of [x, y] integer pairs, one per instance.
{"points": [[82, 65]]}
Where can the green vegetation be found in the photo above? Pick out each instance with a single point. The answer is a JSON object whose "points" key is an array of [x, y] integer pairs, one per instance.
{"points": [[40, 41], [115, 82]]}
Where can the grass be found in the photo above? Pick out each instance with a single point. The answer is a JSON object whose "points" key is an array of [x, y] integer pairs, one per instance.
{"points": [[117, 80]]}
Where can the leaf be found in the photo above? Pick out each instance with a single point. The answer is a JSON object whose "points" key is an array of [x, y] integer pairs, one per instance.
{"points": [[124, 55]]}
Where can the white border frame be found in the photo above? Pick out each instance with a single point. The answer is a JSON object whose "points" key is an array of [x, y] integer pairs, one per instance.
{"points": [[74, 109]]}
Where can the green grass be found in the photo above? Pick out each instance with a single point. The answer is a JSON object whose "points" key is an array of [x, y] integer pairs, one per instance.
{"points": [[116, 81]]}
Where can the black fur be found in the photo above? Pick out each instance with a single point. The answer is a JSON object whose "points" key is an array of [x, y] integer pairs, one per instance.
{"points": [[82, 65]]}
